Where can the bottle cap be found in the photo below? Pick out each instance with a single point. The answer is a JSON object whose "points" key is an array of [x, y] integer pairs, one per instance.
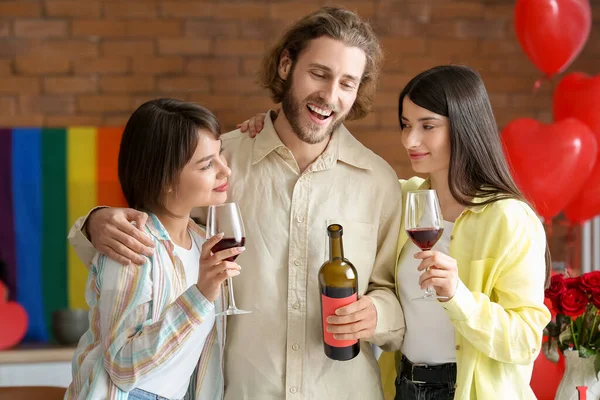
{"points": [[335, 230]]}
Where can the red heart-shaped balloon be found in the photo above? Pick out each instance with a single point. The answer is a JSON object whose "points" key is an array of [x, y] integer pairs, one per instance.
{"points": [[552, 32], [13, 320], [14, 324], [578, 96], [550, 163]]}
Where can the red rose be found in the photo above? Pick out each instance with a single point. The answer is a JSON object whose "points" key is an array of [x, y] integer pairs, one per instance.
{"points": [[573, 302], [595, 296], [556, 305], [590, 281], [557, 287], [573, 283]]}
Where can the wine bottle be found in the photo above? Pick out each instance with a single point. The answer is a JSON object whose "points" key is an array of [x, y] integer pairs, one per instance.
{"points": [[338, 283]]}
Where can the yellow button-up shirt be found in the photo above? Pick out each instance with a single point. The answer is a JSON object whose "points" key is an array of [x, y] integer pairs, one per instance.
{"points": [[498, 310]]}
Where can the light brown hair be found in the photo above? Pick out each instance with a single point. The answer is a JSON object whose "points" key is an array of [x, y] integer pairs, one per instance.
{"points": [[336, 23]]}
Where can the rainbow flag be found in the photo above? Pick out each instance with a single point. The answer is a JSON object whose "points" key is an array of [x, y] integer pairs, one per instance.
{"points": [[48, 178]]}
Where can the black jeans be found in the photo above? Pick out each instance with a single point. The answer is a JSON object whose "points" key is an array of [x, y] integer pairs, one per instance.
{"points": [[422, 382], [408, 390]]}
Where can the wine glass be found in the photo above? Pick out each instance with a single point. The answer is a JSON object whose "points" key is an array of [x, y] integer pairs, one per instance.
{"points": [[424, 225], [227, 219]]}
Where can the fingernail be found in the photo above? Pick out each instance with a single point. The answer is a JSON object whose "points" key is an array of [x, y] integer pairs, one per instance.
{"points": [[220, 234], [149, 252], [240, 249], [328, 329]]}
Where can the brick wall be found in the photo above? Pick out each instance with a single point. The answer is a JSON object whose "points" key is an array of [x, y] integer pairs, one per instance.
{"points": [[79, 62], [73, 62]]}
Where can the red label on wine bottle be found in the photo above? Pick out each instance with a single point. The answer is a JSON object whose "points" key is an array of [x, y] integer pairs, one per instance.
{"points": [[329, 305]]}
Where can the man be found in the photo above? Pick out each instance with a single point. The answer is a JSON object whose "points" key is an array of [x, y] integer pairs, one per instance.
{"points": [[302, 173]]}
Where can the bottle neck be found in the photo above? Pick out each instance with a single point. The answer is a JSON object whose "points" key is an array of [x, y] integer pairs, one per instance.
{"points": [[336, 248]]}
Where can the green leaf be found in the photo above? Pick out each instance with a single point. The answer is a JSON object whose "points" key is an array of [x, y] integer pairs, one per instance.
{"points": [[550, 350], [584, 352], [565, 336], [578, 325], [597, 364], [587, 326], [596, 344]]}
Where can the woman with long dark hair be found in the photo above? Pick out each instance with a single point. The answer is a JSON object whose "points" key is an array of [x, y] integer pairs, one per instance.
{"points": [[491, 264]]}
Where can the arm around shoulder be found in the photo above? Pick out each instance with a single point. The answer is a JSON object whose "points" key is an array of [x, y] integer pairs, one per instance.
{"points": [[79, 240]]}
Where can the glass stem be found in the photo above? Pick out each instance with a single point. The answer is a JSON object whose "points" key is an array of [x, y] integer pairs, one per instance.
{"points": [[429, 290], [230, 289]]}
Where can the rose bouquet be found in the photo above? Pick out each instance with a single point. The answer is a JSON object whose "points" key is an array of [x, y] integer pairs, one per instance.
{"points": [[576, 302]]}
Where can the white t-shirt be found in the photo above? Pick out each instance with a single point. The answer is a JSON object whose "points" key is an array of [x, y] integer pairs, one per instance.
{"points": [[172, 384], [429, 337]]}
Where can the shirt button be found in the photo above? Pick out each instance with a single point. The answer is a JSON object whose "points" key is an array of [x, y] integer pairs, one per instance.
{"points": [[457, 347], [295, 347], [296, 305], [293, 390], [451, 237], [296, 262], [533, 351], [299, 218]]}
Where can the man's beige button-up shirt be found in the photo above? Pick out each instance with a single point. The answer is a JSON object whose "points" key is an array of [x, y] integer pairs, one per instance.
{"points": [[277, 351]]}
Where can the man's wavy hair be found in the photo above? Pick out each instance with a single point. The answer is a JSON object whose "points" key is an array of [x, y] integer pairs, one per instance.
{"points": [[336, 23]]}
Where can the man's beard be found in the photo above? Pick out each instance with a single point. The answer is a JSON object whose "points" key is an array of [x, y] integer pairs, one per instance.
{"points": [[309, 133]]}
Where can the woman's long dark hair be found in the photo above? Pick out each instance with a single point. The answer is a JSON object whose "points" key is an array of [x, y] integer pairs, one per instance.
{"points": [[478, 167]]}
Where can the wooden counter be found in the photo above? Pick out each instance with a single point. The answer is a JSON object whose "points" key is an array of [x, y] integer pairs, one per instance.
{"points": [[36, 353]]}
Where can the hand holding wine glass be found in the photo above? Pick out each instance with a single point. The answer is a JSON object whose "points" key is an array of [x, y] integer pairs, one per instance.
{"points": [[444, 277], [215, 268], [424, 225], [227, 219]]}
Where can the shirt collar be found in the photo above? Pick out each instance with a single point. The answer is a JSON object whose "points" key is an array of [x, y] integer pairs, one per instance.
{"points": [[342, 147], [157, 229], [476, 208]]}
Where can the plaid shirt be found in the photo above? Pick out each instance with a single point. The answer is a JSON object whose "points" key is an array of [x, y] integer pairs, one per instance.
{"points": [[141, 317]]}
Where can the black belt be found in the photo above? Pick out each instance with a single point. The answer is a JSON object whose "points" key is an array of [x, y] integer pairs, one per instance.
{"points": [[423, 373]]}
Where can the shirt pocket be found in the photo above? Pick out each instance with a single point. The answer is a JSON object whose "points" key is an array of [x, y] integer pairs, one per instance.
{"points": [[360, 247]]}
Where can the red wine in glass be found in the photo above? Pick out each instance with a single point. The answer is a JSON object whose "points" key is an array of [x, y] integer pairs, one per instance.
{"points": [[424, 225], [228, 243], [227, 219], [425, 238]]}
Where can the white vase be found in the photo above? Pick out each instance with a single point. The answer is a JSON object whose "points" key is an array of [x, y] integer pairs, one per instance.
{"points": [[578, 372]]}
